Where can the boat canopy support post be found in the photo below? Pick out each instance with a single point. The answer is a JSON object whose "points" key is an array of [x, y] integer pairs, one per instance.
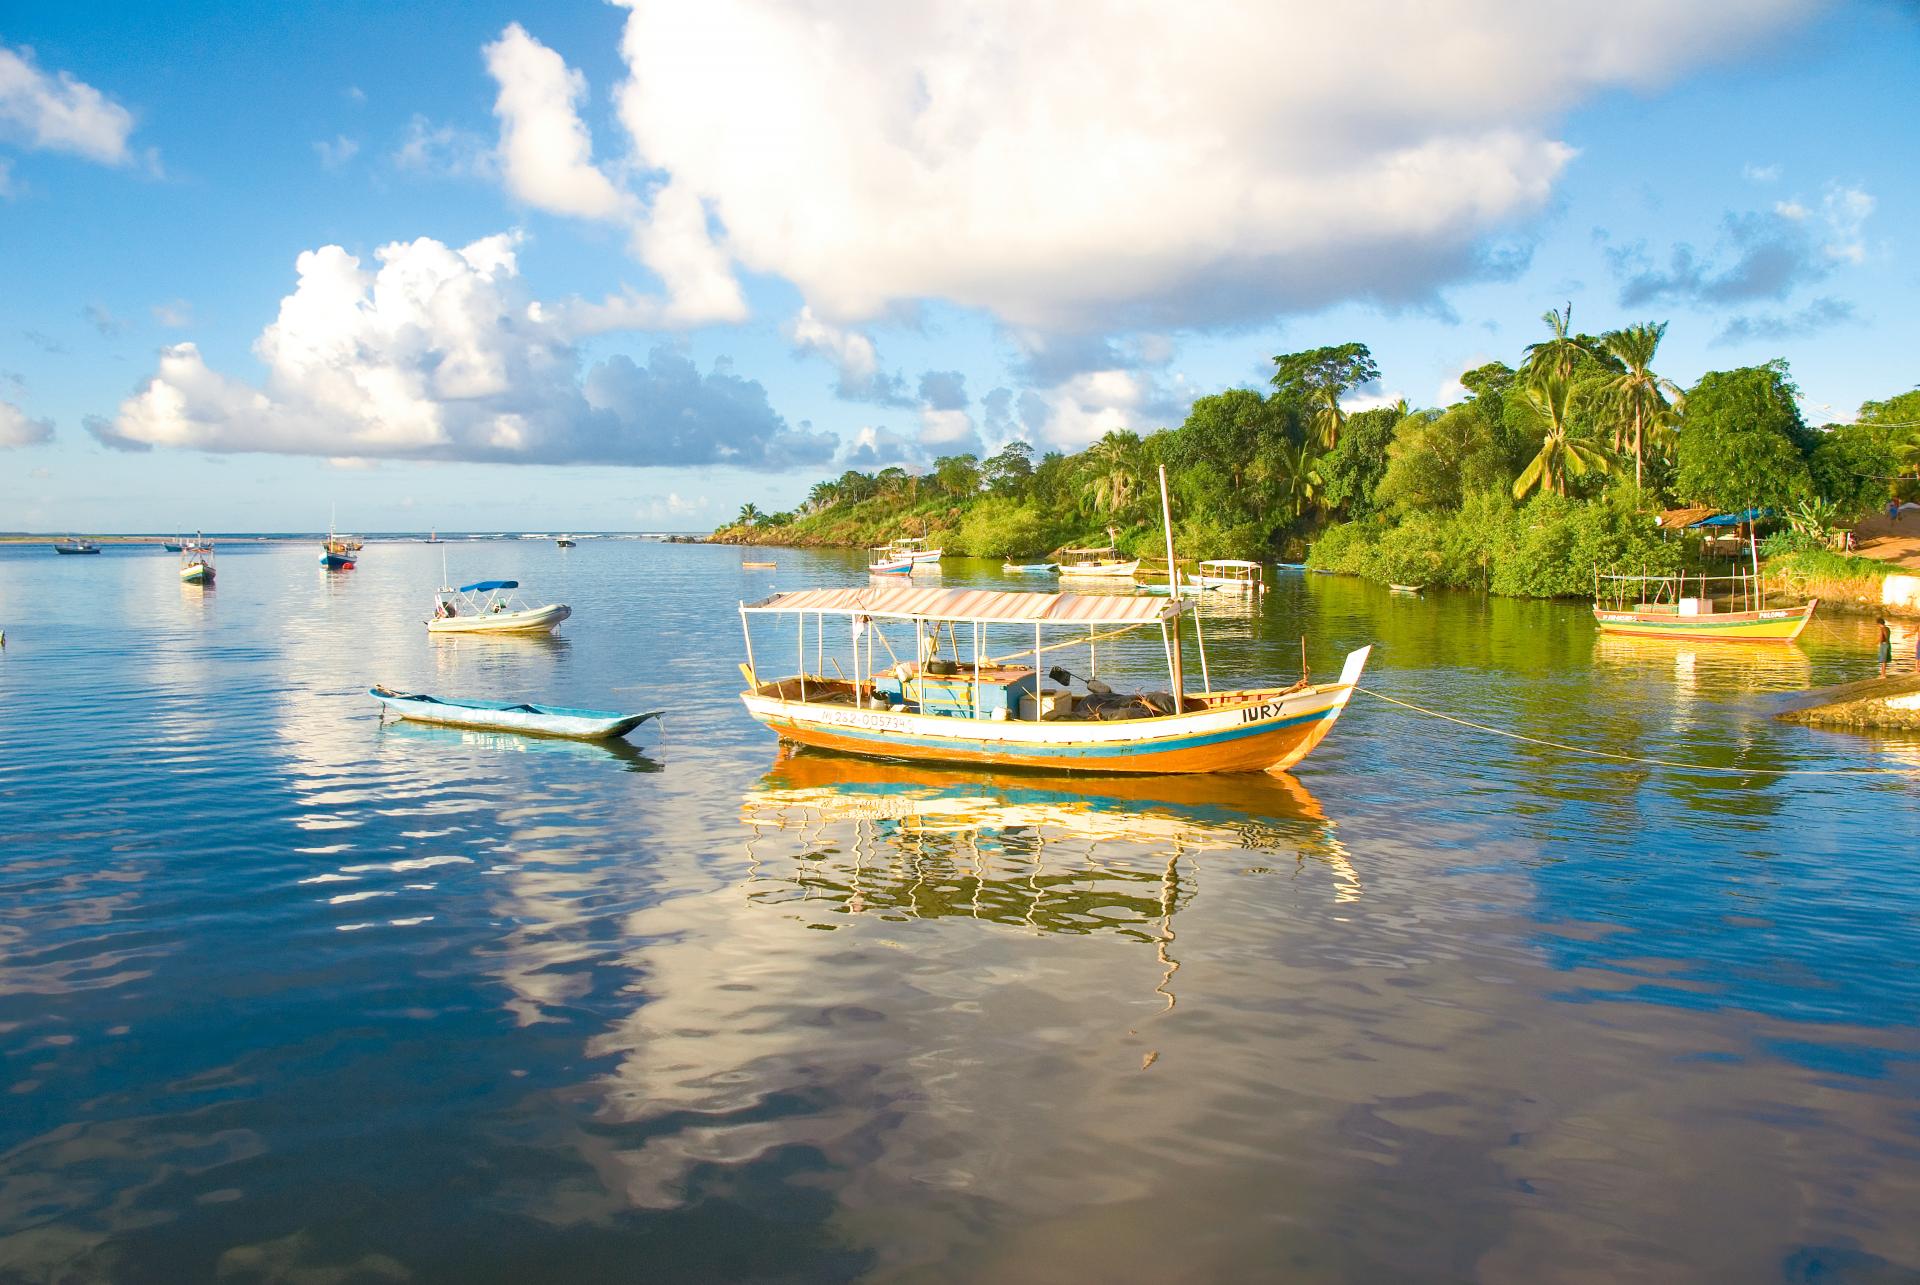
{"points": [[747, 629], [800, 652], [1173, 581], [1037, 689], [1200, 640]]}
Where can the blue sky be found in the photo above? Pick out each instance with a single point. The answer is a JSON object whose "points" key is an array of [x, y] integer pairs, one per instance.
{"points": [[650, 263]]}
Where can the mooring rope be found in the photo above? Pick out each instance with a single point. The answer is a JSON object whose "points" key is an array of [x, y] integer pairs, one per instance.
{"points": [[1634, 758]]}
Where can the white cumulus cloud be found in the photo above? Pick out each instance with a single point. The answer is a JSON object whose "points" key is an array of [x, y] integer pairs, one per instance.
{"points": [[546, 158], [440, 353], [17, 430], [853, 354], [1146, 165], [58, 113]]}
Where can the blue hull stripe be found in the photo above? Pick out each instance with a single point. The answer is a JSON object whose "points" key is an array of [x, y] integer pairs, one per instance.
{"points": [[1124, 749]]}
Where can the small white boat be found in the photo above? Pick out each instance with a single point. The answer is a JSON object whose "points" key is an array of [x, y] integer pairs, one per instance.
{"points": [[915, 550], [509, 716], [488, 607], [1029, 568], [886, 562], [1103, 563], [565, 541], [1406, 588], [1230, 575]]}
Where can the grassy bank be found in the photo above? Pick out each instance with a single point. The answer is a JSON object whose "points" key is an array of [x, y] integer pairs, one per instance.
{"points": [[1836, 579]]}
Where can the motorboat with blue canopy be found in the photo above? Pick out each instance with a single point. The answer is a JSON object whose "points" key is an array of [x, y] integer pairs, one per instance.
{"points": [[491, 607]]}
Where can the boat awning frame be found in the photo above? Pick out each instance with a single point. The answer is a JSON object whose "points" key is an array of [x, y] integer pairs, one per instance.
{"points": [[488, 586], [984, 606], [1240, 563]]}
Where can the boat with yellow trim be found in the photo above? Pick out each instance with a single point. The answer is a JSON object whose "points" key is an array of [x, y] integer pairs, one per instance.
{"points": [[1696, 607], [196, 562], [955, 703]]}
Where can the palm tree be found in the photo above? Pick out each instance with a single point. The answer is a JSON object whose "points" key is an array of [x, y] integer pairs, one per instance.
{"points": [[1117, 476], [1559, 353], [1328, 418], [824, 495], [749, 514], [1560, 454], [1639, 397], [1297, 469]]}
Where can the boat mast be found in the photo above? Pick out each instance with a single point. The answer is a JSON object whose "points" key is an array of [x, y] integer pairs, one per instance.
{"points": [[1173, 597]]}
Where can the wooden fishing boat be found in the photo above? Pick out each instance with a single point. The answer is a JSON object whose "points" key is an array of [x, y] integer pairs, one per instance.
{"points": [[172, 546], [1406, 588], [509, 716], [1231, 575], [1290, 566], [1029, 568], [915, 550], [1731, 608], [758, 566], [196, 563], [976, 709], [489, 607], [73, 546], [1102, 563], [885, 562]]}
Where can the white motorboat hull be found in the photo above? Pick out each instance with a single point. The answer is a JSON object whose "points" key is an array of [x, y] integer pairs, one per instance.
{"points": [[539, 620]]}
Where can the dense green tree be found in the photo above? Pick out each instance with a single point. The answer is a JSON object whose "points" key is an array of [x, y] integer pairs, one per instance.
{"points": [[1438, 458], [1547, 401], [1354, 467], [1852, 466], [1007, 472], [1743, 441], [1318, 378], [957, 475], [1637, 398], [1899, 418]]}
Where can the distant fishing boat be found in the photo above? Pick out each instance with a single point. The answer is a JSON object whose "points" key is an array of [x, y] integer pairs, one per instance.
{"points": [[1029, 568], [1231, 575], [466, 611], [1406, 588], [339, 552], [1290, 566], [71, 545], [885, 561], [508, 716], [758, 566], [172, 546], [1098, 563], [915, 550], [565, 541], [196, 563]]}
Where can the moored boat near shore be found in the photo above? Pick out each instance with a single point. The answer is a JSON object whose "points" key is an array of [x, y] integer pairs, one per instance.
{"points": [[196, 562], [1704, 608]]}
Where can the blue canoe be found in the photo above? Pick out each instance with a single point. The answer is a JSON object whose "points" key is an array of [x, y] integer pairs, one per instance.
{"points": [[510, 716]]}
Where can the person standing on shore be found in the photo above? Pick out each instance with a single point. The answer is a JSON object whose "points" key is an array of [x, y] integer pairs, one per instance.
{"points": [[1885, 653]]}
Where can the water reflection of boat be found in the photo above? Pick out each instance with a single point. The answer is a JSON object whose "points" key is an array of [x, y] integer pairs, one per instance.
{"points": [[1692, 666], [1051, 851], [436, 736]]}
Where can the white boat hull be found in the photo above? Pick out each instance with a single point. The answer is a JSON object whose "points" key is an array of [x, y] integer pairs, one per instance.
{"points": [[1103, 571], [539, 620]]}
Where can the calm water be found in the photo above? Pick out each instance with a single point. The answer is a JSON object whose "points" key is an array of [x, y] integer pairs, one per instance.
{"points": [[289, 994]]}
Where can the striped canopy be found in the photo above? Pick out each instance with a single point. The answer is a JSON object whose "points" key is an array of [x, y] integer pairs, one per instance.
{"points": [[988, 606]]}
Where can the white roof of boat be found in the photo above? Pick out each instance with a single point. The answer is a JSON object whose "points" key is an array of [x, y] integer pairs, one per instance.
{"points": [[1227, 562], [988, 606]]}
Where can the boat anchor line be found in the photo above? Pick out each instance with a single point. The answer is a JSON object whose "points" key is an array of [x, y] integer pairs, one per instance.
{"points": [[1635, 758]]}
